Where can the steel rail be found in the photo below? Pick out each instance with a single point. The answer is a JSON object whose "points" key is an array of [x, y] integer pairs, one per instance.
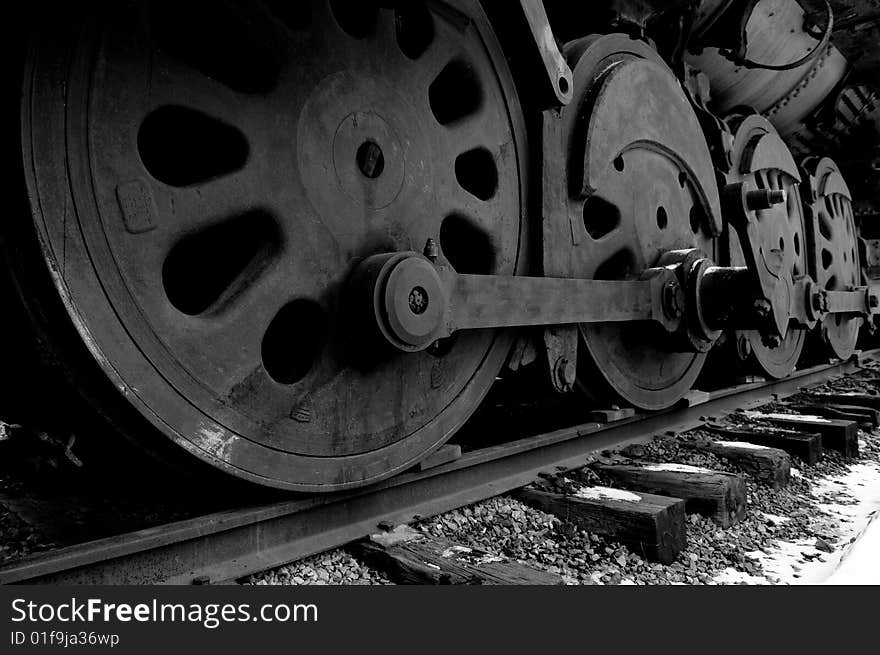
{"points": [[230, 544]]}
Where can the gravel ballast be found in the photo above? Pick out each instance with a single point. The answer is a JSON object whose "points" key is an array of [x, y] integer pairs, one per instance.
{"points": [[801, 526]]}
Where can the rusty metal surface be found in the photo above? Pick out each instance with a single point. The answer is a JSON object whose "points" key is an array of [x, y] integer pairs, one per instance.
{"points": [[235, 543]]}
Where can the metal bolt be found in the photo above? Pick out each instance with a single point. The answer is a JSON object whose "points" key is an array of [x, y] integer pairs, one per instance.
{"points": [[370, 159], [673, 300], [418, 300], [762, 308], [565, 373], [820, 301], [873, 301], [431, 250], [771, 340], [744, 346], [764, 198]]}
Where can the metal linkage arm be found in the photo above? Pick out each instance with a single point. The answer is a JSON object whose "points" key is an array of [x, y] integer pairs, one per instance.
{"points": [[487, 301], [413, 303], [863, 300], [558, 76], [812, 304]]}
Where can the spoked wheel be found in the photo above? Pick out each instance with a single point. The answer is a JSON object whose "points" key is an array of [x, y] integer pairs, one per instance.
{"points": [[834, 250], [641, 183], [204, 176], [760, 155]]}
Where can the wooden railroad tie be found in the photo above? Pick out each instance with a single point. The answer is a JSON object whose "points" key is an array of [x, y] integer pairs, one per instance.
{"points": [[408, 556], [650, 525], [837, 434], [719, 496], [804, 445], [856, 413], [769, 465], [846, 398]]}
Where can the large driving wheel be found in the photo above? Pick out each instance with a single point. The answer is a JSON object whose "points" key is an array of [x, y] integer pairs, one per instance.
{"points": [[203, 176], [761, 157], [640, 184]]}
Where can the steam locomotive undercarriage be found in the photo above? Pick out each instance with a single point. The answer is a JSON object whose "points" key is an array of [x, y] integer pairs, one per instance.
{"points": [[299, 241]]}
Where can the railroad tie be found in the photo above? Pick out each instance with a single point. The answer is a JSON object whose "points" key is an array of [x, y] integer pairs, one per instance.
{"points": [[652, 526], [846, 398], [819, 407], [719, 496], [408, 556], [771, 466], [803, 445], [837, 434]]}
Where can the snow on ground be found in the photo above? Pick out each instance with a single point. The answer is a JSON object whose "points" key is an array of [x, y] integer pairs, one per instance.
{"points": [[851, 503]]}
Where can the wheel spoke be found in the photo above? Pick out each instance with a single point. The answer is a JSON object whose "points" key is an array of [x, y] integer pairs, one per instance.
{"points": [[175, 84], [190, 210], [237, 327]]}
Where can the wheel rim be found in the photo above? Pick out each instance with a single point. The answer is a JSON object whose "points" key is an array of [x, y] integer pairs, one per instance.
{"points": [[760, 156], [834, 249], [642, 185], [219, 211]]}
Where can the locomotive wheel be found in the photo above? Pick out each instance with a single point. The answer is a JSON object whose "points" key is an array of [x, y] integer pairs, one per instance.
{"points": [[203, 176], [834, 250], [760, 155], [641, 183]]}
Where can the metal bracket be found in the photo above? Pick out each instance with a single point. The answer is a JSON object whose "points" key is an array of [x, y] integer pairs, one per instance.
{"points": [[773, 287], [558, 75], [561, 343], [717, 133]]}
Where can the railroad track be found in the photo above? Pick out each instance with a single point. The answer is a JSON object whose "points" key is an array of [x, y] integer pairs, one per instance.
{"points": [[231, 544]]}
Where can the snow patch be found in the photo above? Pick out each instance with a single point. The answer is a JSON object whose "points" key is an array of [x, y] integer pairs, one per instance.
{"points": [[678, 468], [606, 493], [456, 550], [774, 519], [861, 565], [851, 528], [799, 418], [742, 444]]}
